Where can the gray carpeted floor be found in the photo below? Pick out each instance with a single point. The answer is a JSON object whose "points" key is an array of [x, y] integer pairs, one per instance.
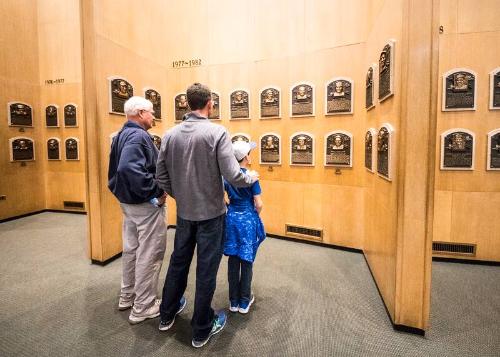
{"points": [[310, 301]]}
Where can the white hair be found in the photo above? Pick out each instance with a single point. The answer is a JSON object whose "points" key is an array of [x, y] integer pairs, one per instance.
{"points": [[136, 104]]}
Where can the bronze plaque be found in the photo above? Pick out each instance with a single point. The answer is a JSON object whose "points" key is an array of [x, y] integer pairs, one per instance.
{"points": [[302, 149], [240, 137], [369, 150], [157, 141], [302, 100], [270, 103], [270, 149], [458, 150], [459, 92], [216, 107], [338, 98], [494, 160], [383, 147], [369, 89], [155, 98], [23, 150], [70, 115], [71, 149], [240, 105], [495, 91], [20, 114], [385, 73], [53, 152], [121, 91], [181, 107], [338, 150], [51, 116]]}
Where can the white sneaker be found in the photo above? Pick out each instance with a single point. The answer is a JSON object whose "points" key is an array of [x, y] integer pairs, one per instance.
{"points": [[149, 313], [124, 304]]}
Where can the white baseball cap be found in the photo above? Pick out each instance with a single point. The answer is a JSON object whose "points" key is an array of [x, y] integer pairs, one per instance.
{"points": [[242, 148]]}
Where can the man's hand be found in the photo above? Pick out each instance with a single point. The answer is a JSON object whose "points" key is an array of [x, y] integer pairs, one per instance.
{"points": [[162, 199], [253, 174]]}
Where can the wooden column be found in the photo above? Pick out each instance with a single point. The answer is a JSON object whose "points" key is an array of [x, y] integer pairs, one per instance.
{"points": [[416, 164]]}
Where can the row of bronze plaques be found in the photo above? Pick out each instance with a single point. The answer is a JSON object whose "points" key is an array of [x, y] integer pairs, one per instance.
{"points": [[23, 149], [21, 114]]}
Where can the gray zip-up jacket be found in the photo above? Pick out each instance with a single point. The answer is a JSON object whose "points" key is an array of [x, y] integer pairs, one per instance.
{"points": [[194, 156]]}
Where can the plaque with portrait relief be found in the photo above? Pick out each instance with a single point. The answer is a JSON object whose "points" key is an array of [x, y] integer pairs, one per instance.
{"points": [[156, 140], [459, 90], [51, 119], [302, 103], [369, 136], [120, 91], [384, 147], [155, 98], [215, 115], [240, 137], [53, 149], [71, 145], [270, 149], [240, 104], [270, 103], [20, 114], [493, 150], [369, 89], [22, 149], [457, 150], [70, 115], [339, 92], [495, 89], [386, 72], [302, 149], [181, 106], [338, 149]]}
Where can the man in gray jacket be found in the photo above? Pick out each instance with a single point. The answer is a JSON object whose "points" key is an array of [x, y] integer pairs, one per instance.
{"points": [[193, 158]]}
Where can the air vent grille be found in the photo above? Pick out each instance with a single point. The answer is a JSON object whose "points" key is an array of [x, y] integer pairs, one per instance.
{"points": [[449, 248], [304, 232], [74, 205]]}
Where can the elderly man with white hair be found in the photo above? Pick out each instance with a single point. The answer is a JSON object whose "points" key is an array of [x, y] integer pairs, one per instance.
{"points": [[131, 178]]}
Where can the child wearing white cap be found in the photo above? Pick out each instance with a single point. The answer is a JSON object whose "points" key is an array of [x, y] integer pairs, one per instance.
{"points": [[244, 233]]}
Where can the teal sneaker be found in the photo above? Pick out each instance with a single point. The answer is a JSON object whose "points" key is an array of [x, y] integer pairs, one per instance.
{"points": [[218, 324]]}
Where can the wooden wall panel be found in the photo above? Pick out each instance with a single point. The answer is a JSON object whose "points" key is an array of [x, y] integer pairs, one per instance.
{"points": [[19, 73], [471, 40]]}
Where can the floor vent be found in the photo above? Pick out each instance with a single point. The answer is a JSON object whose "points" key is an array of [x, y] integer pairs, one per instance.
{"points": [[448, 248], [304, 232], [74, 205]]}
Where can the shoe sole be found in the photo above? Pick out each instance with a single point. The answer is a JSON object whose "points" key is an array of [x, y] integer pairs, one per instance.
{"points": [[245, 311], [123, 308], [210, 336], [136, 319], [233, 309], [165, 328]]}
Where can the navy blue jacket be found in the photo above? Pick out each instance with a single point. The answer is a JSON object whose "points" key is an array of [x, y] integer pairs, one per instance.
{"points": [[132, 165]]}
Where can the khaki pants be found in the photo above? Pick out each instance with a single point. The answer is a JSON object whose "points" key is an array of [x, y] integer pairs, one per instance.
{"points": [[144, 242]]}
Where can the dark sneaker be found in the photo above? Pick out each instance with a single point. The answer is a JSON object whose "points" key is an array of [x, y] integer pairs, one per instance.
{"points": [[245, 305], [233, 306], [218, 324], [166, 325]]}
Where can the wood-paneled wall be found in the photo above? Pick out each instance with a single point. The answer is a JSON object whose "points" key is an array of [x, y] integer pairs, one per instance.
{"points": [[465, 200]]}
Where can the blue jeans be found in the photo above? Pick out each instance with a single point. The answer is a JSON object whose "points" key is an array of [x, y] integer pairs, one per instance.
{"points": [[208, 236], [239, 274]]}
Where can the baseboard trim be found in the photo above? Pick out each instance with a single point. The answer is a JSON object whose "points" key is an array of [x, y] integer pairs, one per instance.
{"points": [[107, 261], [320, 244], [396, 327], [465, 261], [21, 216], [38, 212]]}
